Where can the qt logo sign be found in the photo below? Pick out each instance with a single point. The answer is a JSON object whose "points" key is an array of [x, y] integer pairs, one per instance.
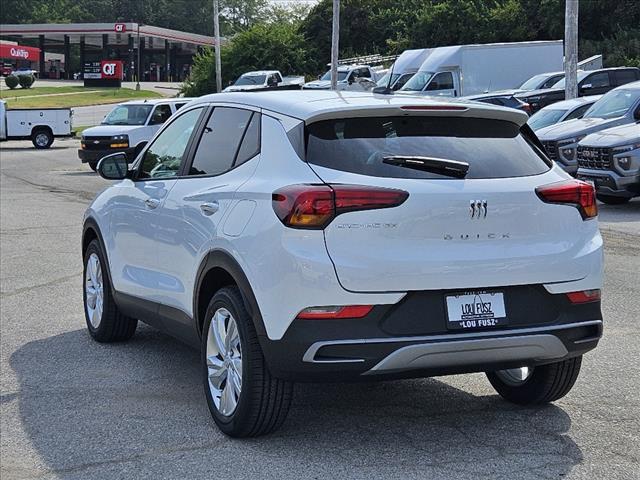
{"points": [[111, 69], [120, 28]]}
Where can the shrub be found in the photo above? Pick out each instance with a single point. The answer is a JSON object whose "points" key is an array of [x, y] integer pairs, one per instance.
{"points": [[11, 81], [26, 80]]}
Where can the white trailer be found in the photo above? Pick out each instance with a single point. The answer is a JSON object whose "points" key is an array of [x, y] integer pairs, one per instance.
{"points": [[40, 125], [472, 69]]}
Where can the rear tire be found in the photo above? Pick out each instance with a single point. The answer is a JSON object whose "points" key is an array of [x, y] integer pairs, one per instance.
{"points": [[611, 200], [546, 383], [42, 138], [104, 320], [244, 399]]}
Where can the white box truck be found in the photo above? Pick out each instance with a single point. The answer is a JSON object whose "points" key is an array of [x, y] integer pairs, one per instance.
{"points": [[40, 125], [463, 70]]}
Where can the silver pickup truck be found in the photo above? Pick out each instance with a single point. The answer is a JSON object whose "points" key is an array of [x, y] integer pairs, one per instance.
{"points": [[610, 159], [265, 80]]}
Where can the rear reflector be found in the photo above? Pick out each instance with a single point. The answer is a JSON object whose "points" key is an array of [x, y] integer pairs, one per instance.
{"points": [[315, 206], [571, 192], [584, 296], [335, 312]]}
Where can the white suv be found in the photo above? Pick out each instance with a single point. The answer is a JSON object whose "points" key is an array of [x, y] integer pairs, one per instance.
{"points": [[314, 236]]}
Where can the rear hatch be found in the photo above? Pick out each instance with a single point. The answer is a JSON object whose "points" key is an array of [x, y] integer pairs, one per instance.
{"points": [[487, 229]]}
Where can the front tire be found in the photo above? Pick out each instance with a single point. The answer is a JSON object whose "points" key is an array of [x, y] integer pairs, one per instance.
{"points": [[42, 138], [93, 166], [612, 200], [104, 320], [244, 399], [536, 385]]}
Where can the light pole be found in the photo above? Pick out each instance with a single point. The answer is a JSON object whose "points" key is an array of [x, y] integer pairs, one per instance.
{"points": [[335, 37], [216, 32], [571, 49], [138, 62]]}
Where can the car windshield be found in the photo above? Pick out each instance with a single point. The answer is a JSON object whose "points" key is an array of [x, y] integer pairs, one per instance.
{"points": [[560, 83], [614, 104], [544, 118], [251, 80], [341, 75], [533, 82], [128, 115], [417, 82]]}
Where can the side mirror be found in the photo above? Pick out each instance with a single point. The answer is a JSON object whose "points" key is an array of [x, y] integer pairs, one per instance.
{"points": [[114, 166], [586, 86]]}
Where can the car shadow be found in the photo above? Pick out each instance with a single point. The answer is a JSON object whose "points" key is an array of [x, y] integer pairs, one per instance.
{"points": [[87, 406], [26, 148]]}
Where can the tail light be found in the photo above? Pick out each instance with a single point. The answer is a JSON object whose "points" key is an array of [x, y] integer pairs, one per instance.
{"points": [[315, 206], [335, 312], [584, 296], [571, 192]]}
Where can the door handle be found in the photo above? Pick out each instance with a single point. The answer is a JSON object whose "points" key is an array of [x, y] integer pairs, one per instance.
{"points": [[209, 208], [152, 203]]}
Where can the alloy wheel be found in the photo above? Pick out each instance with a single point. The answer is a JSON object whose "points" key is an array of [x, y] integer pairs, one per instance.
{"points": [[224, 361], [94, 290]]}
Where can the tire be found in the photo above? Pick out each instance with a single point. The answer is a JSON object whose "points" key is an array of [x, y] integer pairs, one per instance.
{"points": [[93, 166], [42, 138], [546, 383], [105, 322], [611, 200], [261, 403]]}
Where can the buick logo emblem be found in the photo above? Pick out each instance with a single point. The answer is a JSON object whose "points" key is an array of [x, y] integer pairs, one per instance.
{"points": [[478, 209]]}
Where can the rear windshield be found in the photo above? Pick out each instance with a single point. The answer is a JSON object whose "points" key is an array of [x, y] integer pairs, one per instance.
{"points": [[492, 148]]}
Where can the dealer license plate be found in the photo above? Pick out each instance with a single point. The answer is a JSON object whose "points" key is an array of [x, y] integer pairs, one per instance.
{"points": [[477, 309]]}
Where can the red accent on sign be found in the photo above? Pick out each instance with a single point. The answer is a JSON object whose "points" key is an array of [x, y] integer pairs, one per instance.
{"points": [[18, 52], [111, 69], [120, 27]]}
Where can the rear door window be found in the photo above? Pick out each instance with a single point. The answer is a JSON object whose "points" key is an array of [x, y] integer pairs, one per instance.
{"points": [[493, 148], [625, 76], [220, 141]]}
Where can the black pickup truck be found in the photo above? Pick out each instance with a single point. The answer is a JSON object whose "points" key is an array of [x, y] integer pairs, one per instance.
{"points": [[590, 82]]}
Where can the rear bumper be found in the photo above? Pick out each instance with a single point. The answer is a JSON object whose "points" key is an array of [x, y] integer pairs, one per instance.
{"points": [[94, 156], [608, 182], [410, 339]]}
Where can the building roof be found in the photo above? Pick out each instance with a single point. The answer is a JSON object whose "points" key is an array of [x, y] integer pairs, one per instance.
{"points": [[310, 105], [57, 31]]}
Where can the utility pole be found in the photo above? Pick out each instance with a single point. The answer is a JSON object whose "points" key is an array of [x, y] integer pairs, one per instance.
{"points": [[335, 37], [216, 32], [138, 62], [571, 49]]}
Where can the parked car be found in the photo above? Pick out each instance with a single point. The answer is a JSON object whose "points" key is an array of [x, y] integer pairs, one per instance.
{"points": [[265, 80], [610, 159], [465, 70], [591, 82], [618, 107], [350, 77], [541, 81], [25, 71], [315, 236], [127, 128], [502, 100], [40, 125], [562, 111]]}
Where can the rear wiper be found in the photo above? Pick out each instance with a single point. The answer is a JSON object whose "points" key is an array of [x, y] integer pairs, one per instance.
{"points": [[443, 166]]}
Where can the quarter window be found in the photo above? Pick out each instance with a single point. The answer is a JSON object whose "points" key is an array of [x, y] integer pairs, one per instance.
{"points": [[163, 158], [220, 139]]}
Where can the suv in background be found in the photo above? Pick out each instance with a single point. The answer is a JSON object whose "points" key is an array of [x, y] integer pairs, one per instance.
{"points": [[316, 236], [590, 82], [502, 100], [561, 112], [350, 77], [127, 128], [618, 107], [610, 159]]}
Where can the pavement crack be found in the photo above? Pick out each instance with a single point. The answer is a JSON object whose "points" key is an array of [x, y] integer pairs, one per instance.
{"points": [[40, 285]]}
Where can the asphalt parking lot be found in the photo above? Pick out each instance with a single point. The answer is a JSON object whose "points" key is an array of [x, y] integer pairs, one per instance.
{"points": [[72, 408]]}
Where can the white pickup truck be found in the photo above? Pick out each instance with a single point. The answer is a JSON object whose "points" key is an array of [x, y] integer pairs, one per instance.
{"points": [[40, 125], [350, 77], [265, 80]]}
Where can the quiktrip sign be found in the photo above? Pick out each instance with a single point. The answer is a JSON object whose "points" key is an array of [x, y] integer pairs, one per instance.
{"points": [[19, 52]]}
